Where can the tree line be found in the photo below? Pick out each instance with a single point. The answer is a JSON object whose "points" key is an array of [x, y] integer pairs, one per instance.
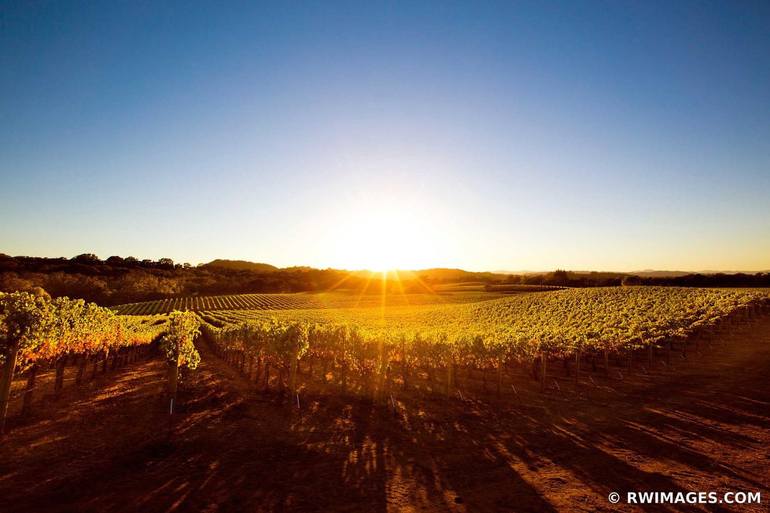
{"points": [[119, 280]]}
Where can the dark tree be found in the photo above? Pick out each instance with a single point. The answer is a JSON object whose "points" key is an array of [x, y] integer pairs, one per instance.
{"points": [[87, 259]]}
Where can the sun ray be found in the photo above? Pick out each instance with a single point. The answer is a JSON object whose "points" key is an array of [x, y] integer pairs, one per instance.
{"points": [[383, 293], [429, 289], [400, 284], [364, 289], [340, 282]]}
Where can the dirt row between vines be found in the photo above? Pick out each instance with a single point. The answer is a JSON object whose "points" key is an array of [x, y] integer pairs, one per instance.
{"points": [[110, 447]]}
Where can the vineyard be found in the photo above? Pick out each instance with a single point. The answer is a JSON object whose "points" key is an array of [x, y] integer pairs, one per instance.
{"points": [[298, 301], [37, 333], [357, 345], [384, 347], [561, 383]]}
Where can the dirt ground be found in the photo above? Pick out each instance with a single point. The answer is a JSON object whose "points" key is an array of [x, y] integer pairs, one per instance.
{"points": [[109, 446]]}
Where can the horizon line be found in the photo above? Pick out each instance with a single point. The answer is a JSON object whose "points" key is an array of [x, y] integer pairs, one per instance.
{"points": [[456, 268]]}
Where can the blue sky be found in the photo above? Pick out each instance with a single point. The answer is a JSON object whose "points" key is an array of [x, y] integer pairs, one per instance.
{"points": [[512, 135]]}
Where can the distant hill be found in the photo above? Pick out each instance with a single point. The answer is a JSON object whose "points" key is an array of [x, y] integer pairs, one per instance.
{"points": [[241, 265], [121, 280], [652, 273], [442, 275], [646, 273]]}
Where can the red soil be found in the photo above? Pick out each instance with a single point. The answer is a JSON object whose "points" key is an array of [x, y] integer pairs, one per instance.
{"points": [[110, 447]]}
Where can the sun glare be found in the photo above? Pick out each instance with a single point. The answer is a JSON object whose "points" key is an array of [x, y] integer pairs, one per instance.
{"points": [[385, 239]]}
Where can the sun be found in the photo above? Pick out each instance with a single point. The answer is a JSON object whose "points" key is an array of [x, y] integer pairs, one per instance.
{"points": [[383, 240], [380, 242], [384, 228]]}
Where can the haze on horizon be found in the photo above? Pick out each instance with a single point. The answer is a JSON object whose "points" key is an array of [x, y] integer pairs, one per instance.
{"points": [[483, 136]]}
